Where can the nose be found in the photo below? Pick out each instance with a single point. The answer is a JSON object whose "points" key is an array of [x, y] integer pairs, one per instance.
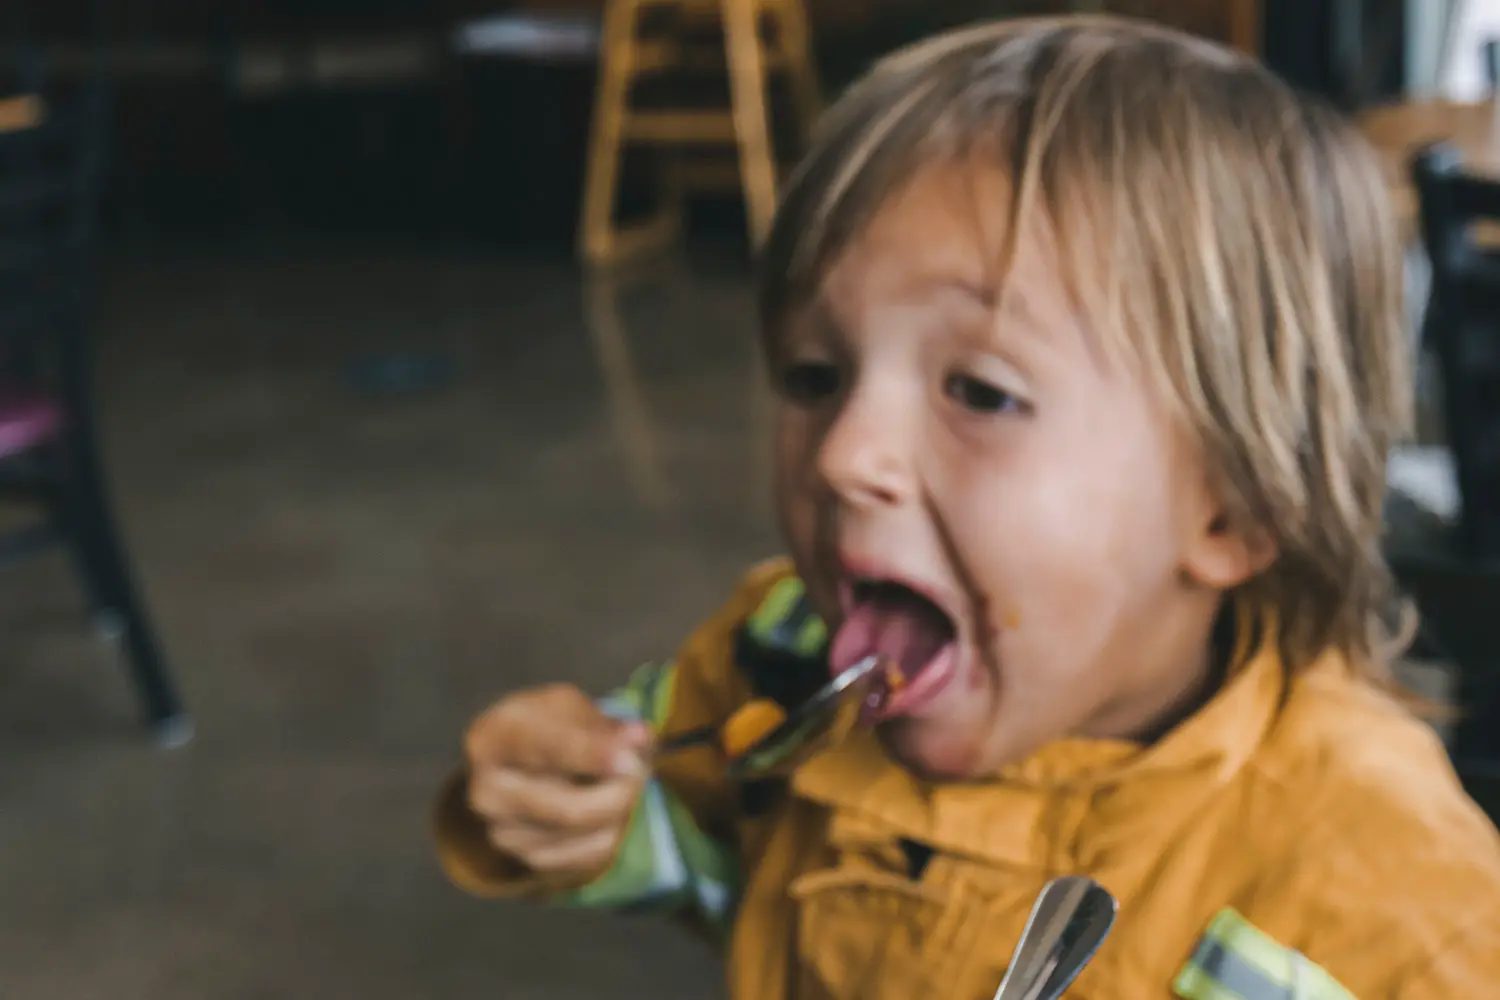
{"points": [[866, 455]]}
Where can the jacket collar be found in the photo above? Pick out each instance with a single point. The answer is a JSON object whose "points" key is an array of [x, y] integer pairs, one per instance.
{"points": [[1073, 797]]}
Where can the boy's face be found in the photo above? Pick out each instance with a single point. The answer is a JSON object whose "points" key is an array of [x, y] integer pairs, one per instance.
{"points": [[981, 495]]}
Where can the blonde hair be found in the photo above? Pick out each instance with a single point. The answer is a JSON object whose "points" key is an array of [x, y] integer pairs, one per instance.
{"points": [[1236, 236]]}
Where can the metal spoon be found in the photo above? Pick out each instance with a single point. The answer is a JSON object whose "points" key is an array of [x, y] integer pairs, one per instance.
{"points": [[795, 731], [802, 724], [1069, 921]]}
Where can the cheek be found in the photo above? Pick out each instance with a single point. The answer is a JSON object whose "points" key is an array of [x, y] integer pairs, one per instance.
{"points": [[796, 435], [1065, 536], [795, 486]]}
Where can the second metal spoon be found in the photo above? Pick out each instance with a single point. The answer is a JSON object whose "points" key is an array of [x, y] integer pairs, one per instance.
{"points": [[1069, 921]]}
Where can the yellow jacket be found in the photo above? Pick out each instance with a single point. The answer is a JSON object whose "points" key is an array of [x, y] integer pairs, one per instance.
{"points": [[1288, 838]]}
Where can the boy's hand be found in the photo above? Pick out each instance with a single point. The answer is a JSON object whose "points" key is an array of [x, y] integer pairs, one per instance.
{"points": [[554, 779]]}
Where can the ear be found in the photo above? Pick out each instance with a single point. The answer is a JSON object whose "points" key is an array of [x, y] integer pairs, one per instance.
{"points": [[1222, 555]]}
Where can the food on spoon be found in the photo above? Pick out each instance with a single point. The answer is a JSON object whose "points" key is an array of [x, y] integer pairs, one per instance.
{"points": [[754, 721], [895, 680]]}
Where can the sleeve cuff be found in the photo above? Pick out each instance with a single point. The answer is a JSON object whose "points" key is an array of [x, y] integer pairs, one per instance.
{"points": [[472, 863]]}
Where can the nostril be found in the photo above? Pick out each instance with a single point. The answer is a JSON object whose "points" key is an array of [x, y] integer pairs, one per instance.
{"points": [[867, 481]]}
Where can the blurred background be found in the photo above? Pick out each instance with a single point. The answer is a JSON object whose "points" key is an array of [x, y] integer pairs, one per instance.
{"points": [[363, 359]]}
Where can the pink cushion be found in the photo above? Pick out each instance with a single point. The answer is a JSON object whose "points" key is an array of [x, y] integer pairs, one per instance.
{"points": [[27, 420]]}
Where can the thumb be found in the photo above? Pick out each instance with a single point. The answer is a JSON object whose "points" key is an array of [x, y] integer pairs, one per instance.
{"points": [[632, 745]]}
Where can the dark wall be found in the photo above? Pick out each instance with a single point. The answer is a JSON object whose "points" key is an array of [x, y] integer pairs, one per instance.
{"points": [[489, 149], [485, 149], [1298, 38]]}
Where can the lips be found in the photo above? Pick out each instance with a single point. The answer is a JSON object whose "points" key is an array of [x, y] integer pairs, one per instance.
{"points": [[905, 624]]}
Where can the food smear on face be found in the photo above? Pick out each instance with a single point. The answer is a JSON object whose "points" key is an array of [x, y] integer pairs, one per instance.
{"points": [[753, 722]]}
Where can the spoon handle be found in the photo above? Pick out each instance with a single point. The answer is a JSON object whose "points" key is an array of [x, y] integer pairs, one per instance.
{"points": [[688, 739]]}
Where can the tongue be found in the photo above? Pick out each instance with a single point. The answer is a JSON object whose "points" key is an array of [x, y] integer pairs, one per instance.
{"points": [[908, 633]]}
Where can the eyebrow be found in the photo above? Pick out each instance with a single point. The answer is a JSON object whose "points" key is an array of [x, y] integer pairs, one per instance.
{"points": [[1013, 303], [1006, 306], [985, 295]]}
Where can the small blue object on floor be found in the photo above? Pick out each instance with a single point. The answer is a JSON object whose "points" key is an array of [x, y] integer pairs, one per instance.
{"points": [[400, 374]]}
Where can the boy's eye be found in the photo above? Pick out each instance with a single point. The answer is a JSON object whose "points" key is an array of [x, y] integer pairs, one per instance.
{"points": [[978, 396], [809, 381]]}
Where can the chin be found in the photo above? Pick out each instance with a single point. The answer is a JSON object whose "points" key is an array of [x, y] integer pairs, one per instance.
{"points": [[930, 752]]}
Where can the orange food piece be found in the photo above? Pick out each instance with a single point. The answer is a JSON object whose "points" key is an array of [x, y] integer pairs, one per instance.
{"points": [[752, 723], [895, 680]]}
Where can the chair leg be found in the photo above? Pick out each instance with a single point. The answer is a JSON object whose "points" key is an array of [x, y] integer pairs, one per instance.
{"points": [[606, 131], [795, 44], [67, 517], [103, 562], [747, 88]]}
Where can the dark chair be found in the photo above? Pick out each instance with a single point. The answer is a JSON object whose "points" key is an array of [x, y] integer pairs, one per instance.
{"points": [[1463, 328], [1458, 590], [49, 452]]}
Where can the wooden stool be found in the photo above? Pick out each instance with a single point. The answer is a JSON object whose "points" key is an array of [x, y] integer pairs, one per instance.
{"points": [[628, 55]]}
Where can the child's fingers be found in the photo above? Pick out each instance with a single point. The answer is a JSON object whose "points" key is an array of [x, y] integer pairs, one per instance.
{"points": [[556, 729], [587, 853], [635, 737], [551, 803], [547, 850], [521, 839]]}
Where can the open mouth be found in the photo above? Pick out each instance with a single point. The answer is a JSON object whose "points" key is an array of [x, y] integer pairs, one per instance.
{"points": [[910, 631]]}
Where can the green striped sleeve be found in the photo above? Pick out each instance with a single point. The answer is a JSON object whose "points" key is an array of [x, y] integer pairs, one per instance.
{"points": [[1235, 960], [664, 862], [785, 620]]}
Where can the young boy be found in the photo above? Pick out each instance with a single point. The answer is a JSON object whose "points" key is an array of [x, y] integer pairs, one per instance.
{"points": [[1089, 349]]}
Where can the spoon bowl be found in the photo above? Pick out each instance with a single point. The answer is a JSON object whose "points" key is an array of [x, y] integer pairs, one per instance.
{"points": [[1069, 921]]}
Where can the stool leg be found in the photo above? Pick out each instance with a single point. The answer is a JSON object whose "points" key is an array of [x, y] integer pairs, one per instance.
{"points": [[795, 43], [747, 87], [606, 132], [1244, 26]]}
